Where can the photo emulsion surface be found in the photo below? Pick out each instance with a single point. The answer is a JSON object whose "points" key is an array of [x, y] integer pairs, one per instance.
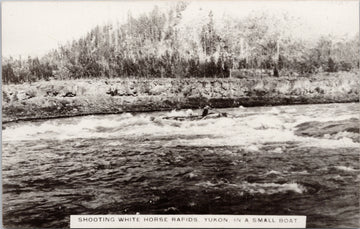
{"points": [[180, 108]]}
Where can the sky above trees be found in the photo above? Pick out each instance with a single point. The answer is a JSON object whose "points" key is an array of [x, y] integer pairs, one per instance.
{"points": [[33, 28]]}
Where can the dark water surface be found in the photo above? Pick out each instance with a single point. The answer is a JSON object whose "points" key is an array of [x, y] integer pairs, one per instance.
{"points": [[256, 161]]}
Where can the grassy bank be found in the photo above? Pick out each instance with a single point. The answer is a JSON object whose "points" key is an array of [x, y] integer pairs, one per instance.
{"points": [[50, 99]]}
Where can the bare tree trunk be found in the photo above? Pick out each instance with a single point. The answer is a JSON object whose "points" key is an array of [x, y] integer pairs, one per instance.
{"points": [[276, 65]]}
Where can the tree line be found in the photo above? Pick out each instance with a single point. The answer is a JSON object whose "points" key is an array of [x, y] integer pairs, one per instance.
{"points": [[162, 43]]}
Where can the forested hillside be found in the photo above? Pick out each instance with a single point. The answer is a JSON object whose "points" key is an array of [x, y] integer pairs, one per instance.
{"points": [[163, 43]]}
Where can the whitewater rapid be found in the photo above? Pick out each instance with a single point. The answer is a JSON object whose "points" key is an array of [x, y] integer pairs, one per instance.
{"points": [[248, 127]]}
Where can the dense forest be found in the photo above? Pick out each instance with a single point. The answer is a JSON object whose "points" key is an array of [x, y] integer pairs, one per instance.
{"points": [[162, 43]]}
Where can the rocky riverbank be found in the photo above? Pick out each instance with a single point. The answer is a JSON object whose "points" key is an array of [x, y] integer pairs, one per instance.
{"points": [[52, 99]]}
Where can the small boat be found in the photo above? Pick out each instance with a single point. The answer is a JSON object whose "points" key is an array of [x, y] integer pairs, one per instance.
{"points": [[195, 117]]}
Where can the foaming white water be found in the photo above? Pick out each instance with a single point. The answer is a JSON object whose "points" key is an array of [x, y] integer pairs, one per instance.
{"points": [[345, 168], [248, 127], [274, 110], [174, 113], [273, 172], [329, 143], [260, 188], [272, 188], [304, 172]]}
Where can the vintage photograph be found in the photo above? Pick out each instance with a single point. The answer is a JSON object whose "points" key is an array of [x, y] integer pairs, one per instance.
{"points": [[180, 108]]}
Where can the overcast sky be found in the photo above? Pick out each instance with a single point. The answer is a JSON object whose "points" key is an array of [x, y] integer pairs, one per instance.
{"points": [[33, 28]]}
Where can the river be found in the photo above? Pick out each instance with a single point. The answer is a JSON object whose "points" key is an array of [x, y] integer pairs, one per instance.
{"points": [[284, 160]]}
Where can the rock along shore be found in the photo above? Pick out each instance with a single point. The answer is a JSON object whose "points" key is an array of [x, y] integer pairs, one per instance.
{"points": [[55, 99]]}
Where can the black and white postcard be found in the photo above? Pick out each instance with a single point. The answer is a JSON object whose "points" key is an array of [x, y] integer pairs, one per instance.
{"points": [[208, 113]]}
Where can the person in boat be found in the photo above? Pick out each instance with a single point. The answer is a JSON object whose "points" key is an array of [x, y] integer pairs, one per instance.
{"points": [[205, 111]]}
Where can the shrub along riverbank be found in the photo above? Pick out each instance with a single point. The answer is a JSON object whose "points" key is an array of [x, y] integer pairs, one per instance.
{"points": [[52, 99]]}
